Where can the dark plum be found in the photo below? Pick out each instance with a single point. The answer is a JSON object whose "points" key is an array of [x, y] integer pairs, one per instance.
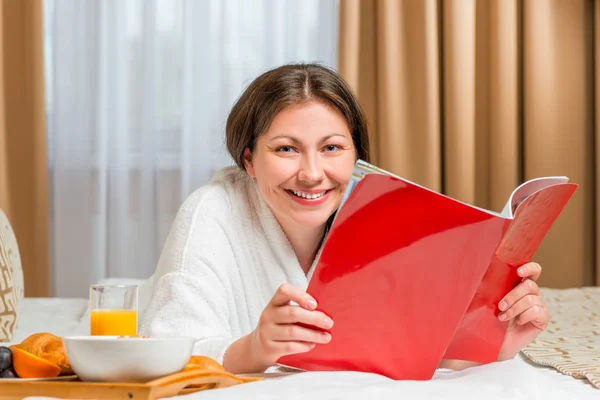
{"points": [[5, 358], [8, 373]]}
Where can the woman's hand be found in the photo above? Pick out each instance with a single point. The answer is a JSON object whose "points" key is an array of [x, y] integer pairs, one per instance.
{"points": [[525, 310], [278, 332]]}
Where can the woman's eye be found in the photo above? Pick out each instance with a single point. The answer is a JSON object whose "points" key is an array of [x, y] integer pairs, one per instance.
{"points": [[332, 147], [285, 149]]}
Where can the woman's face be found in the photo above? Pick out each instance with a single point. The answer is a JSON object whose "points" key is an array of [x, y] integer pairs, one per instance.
{"points": [[303, 163]]}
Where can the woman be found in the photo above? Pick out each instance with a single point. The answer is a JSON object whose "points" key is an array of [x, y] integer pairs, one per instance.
{"points": [[242, 247]]}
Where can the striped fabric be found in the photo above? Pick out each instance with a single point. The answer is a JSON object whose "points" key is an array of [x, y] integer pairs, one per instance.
{"points": [[571, 342], [11, 280]]}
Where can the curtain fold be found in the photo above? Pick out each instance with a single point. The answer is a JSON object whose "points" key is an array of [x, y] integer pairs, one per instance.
{"points": [[505, 103], [23, 161], [558, 127], [406, 34], [4, 193], [472, 97], [597, 132]]}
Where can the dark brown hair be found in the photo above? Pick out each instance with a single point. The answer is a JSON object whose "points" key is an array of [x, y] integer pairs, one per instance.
{"points": [[288, 85]]}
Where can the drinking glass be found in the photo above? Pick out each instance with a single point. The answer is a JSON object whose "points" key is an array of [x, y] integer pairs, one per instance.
{"points": [[114, 310]]}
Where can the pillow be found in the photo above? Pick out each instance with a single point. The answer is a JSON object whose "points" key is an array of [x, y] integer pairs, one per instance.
{"points": [[12, 288]]}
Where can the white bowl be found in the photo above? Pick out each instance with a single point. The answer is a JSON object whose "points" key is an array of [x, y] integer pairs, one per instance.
{"points": [[133, 359]]}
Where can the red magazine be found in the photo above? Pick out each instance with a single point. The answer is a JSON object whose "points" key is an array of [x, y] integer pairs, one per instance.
{"points": [[411, 276]]}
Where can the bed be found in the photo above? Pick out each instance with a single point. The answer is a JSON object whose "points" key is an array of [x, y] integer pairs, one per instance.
{"points": [[519, 378]]}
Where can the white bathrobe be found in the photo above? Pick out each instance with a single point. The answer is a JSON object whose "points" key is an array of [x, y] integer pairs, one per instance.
{"points": [[223, 260]]}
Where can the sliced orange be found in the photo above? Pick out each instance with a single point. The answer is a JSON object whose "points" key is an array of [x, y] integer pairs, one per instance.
{"points": [[203, 362], [27, 365]]}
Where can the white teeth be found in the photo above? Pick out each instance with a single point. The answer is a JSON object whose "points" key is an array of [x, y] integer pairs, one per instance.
{"points": [[308, 195]]}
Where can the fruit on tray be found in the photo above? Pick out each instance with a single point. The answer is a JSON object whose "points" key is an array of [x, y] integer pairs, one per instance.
{"points": [[6, 363], [5, 358], [8, 373], [48, 347], [203, 362], [27, 365]]}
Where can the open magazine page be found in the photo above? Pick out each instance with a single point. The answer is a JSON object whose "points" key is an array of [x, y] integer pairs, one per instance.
{"points": [[528, 188]]}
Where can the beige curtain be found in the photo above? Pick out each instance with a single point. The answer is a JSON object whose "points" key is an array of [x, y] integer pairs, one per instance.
{"points": [[471, 97], [23, 171]]}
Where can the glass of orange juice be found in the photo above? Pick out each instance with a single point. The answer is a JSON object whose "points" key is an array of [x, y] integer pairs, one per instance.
{"points": [[113, 310]]}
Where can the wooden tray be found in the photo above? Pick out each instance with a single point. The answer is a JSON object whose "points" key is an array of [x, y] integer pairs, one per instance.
{"points": [[172, 385]]}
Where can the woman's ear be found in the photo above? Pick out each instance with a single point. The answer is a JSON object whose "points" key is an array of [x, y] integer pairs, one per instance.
{"points": [[248, 163]]}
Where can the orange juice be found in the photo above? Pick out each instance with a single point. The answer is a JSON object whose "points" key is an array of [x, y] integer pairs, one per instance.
{"points": [[113, 322]]}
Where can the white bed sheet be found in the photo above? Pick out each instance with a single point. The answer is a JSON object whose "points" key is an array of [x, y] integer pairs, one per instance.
{"points": [[515, 379], [508, 380]]}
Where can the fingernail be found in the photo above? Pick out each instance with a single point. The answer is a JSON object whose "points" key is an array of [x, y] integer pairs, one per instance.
{"points": [[311, 304], [311, 345], [521, 270], [503, 306], [328, 323], [326, 337], [502, 317]]}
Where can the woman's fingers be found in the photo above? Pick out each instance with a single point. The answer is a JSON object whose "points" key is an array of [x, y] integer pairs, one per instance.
{"points": [[285, 348], [522, 305], [292, 314], [530, 270], [286, 293], [297, 333], [538, 315], [521, 290]]}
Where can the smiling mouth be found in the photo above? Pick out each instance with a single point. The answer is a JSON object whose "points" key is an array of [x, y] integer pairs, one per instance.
{"points": [[309, 196]]}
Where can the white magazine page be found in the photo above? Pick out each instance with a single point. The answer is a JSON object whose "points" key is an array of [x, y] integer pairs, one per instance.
{"points": [[528, 188]]}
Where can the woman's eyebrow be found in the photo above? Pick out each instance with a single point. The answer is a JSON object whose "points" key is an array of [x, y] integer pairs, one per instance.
{"points": [[298, 141], [333, 135], [286, 136]]}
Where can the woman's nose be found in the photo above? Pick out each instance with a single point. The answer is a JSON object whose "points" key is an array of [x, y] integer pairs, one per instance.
{"points": [[311, 170]]}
